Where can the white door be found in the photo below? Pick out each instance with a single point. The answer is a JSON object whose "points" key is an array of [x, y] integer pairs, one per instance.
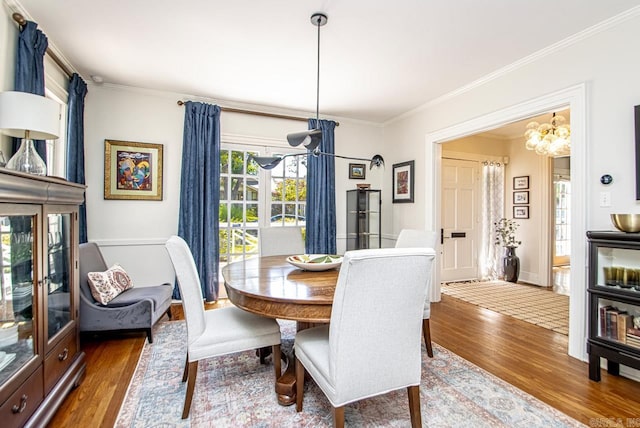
{"points": [[459, 220]]}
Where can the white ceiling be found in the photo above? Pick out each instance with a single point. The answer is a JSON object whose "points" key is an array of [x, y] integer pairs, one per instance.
{"points": [[379, 59]]}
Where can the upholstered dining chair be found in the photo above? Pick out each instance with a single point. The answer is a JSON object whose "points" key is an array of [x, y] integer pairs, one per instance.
{"points": [[372, 344], [418, 238], [215, 332], [281, 240]]}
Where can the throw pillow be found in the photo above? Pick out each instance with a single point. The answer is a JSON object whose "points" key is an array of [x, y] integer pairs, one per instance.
{"points": [[105, 286]]}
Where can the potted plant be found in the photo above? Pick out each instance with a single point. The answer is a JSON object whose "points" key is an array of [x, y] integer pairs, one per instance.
{"points": [[506, 237]]}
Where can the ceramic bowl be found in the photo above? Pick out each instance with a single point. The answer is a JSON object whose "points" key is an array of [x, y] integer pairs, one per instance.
{"points": [[629, 223], [315, 262]]}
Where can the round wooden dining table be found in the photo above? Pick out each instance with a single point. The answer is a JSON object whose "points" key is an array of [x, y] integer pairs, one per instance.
{"points": [[271, 287]]}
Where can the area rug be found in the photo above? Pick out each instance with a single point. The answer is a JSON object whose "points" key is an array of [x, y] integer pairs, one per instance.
{"points": [[535, 305], [236, 391]]}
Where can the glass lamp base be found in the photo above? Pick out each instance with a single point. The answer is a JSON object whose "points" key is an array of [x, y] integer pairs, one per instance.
{"points": [[27, 160]]}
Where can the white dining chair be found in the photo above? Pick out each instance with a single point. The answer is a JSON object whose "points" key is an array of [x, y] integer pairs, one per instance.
{"points": [[372, 344], [215, 332], [418, 238], [281, 240]]}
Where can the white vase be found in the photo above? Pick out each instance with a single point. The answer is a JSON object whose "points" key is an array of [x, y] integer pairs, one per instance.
{"points": [[27, 159]]}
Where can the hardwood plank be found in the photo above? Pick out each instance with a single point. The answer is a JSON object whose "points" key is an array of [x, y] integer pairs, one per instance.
{"points": [[532, 358]]}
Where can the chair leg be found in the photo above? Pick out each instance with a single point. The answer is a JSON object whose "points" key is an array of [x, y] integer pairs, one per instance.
{"points": [[338, 417], [149, 335], [414, 406], [169, 313], [186, 369], [277, 361], [263, 353], [299, 385], [426, 332], [191, 384]]}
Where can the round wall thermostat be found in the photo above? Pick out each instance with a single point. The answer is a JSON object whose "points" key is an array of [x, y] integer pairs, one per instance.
{"points": [[606, 179]]}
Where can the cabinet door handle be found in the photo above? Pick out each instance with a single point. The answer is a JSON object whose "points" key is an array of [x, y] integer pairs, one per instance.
{"points": [[63, 356], [22, 406]]}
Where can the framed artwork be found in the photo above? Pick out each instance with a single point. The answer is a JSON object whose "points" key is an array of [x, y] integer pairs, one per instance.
{"points": [[403, 179], [520, 183], [357, 171], [521, 197], [521, 211], [132, 170]]}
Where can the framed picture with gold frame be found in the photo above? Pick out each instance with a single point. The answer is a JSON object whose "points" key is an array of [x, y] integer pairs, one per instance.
{"points": [[132, 170]]}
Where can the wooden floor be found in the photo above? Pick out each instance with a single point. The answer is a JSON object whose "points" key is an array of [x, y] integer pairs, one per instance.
{"points": [[532, 358]]}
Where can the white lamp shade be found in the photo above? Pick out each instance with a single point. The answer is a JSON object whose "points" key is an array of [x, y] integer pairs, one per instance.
{"points": [[22, 111]]}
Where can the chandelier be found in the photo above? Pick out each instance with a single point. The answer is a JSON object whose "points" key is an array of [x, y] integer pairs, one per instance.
{"points": [[312, 138], [550, 139]]}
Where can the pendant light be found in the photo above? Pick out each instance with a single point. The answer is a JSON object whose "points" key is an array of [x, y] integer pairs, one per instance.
{"points": [[312, 138]]}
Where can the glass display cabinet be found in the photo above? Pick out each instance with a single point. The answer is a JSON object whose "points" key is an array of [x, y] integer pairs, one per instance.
{"points": [[40, 357], [614, 301], [363, 219]]}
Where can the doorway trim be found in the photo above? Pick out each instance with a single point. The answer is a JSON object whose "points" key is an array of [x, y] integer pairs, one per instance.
{"points": [[575, 98]]}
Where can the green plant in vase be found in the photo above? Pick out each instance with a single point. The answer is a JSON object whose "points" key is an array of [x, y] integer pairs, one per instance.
{"points": [[505, 230]]}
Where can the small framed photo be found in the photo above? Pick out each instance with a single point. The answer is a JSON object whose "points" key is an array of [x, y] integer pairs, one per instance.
{"points": [[521, 211], [132, 170], [520, 183], [403, 180], [521, 197], [357, 171]]}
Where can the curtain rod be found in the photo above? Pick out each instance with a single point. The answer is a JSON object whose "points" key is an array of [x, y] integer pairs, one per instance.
{"points": [[259, 113], [22, 22]]}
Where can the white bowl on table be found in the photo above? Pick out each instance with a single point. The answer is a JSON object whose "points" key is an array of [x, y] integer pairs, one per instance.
{"points": [[315, 262]]}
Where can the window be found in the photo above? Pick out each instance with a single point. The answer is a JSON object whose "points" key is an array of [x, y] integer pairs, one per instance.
{"points": [[57, 149], [56, 88], [239, 201], [289, 192], [246, 204]]}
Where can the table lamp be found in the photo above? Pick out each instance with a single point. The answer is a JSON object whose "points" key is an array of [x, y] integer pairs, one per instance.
{"points": [[30, 117]]}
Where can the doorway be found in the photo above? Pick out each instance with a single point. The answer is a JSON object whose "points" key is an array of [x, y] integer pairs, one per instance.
{"points": [[575, 98], [472, 202]]}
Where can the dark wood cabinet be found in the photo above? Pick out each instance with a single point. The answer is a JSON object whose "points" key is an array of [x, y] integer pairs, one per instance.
{"points": [[614, 301], [364, 219], [40, 356]]}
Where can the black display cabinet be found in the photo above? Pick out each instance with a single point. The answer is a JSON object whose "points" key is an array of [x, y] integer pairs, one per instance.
{"points": [[614, 301]]}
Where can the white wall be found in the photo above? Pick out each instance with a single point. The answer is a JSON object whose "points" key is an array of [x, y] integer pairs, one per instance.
{"points": [[605, 61], [133, 232]]}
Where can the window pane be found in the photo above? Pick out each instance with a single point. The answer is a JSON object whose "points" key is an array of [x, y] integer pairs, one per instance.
{"points": [[223, 243], [252, 166], [237, 162], [223, 214], [276, 189], [224, 161], [237, 215], [276, 215], [251, 241], [252, 189], [291, 167], [302, 190], [223, 188], [252, 215], [237, 189]]}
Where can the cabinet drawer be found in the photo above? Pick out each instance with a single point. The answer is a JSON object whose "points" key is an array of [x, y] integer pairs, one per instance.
{"points": [[20, 406], [59, 359]]}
